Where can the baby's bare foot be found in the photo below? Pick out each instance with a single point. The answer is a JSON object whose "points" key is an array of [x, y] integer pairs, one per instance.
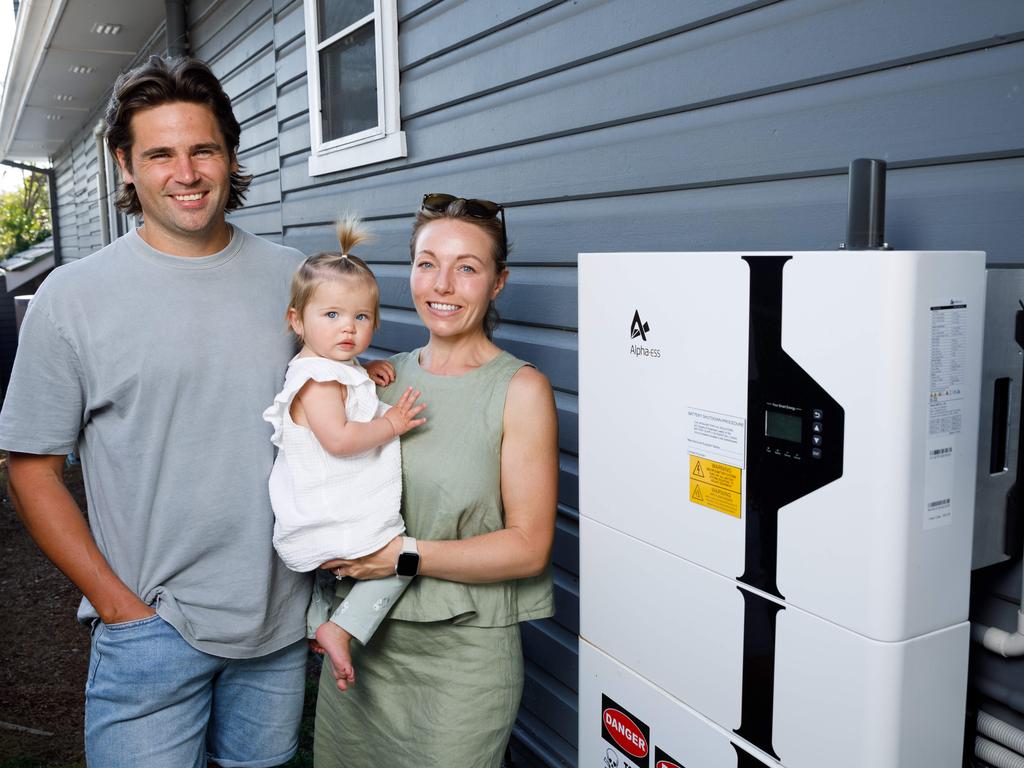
{"points": [[335, 642]]}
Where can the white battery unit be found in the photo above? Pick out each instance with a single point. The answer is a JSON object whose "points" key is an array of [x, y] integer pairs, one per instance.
{"points": [[626, 722], [812, 691], [777, 465]]}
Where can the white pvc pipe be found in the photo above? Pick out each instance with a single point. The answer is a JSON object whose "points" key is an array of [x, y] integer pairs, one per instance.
{"points": [[995, 755], [1001, 731], [1000, 641]]}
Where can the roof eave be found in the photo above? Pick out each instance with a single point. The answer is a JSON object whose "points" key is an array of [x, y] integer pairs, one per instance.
{"points": [[36, 23]]}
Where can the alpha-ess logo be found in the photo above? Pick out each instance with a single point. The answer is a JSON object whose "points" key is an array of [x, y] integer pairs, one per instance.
{"points": [[663, 760], [638, 329], [625, 732]]}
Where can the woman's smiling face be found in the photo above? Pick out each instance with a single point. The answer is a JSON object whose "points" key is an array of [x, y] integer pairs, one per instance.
{"points": [[454, 277]]}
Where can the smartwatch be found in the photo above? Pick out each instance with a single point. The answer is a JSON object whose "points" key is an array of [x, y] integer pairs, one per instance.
{"points": [[408, 559]]}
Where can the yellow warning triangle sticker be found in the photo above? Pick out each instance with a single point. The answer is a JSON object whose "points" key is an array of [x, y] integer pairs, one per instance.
{"points": [[697, 471], [697, 495]]}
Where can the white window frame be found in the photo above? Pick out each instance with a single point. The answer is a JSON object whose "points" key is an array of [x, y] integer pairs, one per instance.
{"points": [[383, 142]]}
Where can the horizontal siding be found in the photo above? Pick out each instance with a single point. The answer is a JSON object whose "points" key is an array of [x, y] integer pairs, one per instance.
{"points": [[969, 204], [237, 40], [963, 113], [241, 38], [289, 24], [452, 28], [695, 51], [78, 204]]}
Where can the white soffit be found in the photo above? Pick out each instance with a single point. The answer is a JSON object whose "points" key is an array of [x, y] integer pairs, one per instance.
{"points": [[44, 102]]}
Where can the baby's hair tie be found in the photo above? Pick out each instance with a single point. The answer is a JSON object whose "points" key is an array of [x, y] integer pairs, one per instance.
{"points": [[344, 255]]}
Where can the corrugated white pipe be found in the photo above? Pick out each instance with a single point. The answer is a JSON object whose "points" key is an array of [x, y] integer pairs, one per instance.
{"points": [[993, 754], [1001, 731], [1000, 641]]}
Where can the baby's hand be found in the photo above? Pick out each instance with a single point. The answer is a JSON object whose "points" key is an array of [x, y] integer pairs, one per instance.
{"points": [[402, 414], [381, 372]]}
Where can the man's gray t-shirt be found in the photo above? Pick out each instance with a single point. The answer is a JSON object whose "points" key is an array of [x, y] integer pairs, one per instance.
{"points": [[157, 369]]}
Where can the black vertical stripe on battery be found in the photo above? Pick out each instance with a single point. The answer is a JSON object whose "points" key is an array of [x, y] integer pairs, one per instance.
{"points": [[757, 707], [746, 760], [775, 383]]}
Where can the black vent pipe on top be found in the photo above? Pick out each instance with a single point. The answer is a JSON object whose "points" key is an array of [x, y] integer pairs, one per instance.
{"points": [[177, 27], [865, 228]]}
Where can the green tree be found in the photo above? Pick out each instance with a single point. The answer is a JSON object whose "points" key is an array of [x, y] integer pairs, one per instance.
{"points": [[24, 215]]}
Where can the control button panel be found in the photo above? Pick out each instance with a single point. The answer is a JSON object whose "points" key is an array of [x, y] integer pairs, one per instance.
{"points": [[790, 434]]}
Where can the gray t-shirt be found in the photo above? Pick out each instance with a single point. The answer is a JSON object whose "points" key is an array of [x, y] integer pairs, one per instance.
{"points": [[157, 369]]}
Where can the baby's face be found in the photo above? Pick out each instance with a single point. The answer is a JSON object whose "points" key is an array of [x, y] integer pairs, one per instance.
{"points": [[337, 323]]}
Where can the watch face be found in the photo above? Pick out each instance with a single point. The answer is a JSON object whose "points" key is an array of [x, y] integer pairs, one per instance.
{"points": [[408, 564]]}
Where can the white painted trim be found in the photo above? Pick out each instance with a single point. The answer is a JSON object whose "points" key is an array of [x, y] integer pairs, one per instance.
{"points": [[384, 142], [376, 151], [352, 139], [36, 23], [357, 24]]}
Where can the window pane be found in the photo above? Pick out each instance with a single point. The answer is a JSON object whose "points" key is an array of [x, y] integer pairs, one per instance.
{"points": [[334, 15], [348, 84]]}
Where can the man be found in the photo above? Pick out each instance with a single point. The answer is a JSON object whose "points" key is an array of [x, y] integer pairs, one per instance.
{"points": [[155, 358]]}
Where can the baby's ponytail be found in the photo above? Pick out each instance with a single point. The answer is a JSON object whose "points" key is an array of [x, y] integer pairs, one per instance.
{"points": [[351, 232]]}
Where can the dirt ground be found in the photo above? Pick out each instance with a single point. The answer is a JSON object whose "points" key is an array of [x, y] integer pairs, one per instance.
{"points": [[45, 653]]}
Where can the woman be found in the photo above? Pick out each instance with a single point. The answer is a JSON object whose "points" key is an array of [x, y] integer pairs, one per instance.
{"points": [[440, 683]]}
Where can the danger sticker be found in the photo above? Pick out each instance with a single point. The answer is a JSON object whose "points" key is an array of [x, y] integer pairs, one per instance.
{"points": [[630, 735], [716, 485]]}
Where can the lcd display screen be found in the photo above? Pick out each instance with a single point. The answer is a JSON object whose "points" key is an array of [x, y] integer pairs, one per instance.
{"points": [[783, 426]]}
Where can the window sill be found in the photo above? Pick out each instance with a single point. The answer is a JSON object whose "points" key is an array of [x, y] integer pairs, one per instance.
{"points": [[377, 151]]}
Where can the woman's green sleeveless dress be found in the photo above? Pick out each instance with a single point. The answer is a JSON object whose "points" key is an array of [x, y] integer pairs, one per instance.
{"points": [[440, 682]]}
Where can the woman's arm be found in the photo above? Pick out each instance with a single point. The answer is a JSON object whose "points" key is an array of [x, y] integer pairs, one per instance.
{"points": [[320, 405], [529, 491]]}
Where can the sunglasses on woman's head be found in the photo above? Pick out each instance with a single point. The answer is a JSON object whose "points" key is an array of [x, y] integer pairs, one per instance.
{"points": [[438, 202]]}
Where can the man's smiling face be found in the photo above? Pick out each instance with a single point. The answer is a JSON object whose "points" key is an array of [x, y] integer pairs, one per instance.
{"points": [[181, 169]]}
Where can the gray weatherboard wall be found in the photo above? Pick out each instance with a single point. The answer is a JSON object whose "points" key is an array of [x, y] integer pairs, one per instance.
{"points": [[622, 125]]}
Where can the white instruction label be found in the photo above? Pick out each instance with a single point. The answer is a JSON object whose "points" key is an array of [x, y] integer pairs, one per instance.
{"points": [[716, 436], [947, 361], [946, 374]]}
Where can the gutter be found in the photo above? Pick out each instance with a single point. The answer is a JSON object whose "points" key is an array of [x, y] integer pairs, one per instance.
{"points": [[37, 20], [51, 186]]}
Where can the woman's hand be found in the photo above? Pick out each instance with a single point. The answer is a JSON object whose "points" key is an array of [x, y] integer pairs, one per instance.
{"points": [[376, 565], [381, 372], [402, 415]]}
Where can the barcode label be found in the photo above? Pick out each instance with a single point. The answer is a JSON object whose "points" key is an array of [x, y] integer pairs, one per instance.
{"points": [[939, 503], [940, 451]]}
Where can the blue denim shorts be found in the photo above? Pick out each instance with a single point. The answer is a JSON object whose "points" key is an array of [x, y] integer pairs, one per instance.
{"points": [[153, 700]]}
